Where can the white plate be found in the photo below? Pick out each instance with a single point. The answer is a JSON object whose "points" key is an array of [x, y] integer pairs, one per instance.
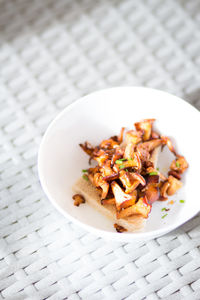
{"points": [[101, 115]]}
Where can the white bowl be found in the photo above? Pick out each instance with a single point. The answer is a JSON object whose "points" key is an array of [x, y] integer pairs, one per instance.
{"points": [[101, 115]]}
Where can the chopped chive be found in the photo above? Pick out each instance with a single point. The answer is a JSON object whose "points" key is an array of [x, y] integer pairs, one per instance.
{"points": [[165, 209], [118, 162], [157, 169], [126, 170], [164, 216], [153, 173], [182, 201], [177, 164], [130, 158], [85, 177], [84, 170], [121, 167]]}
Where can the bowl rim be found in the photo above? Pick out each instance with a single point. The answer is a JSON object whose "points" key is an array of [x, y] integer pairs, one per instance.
{"points": [[100, 232]]}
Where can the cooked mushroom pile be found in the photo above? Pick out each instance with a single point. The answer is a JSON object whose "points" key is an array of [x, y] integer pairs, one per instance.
{"points": [[125, 174]]}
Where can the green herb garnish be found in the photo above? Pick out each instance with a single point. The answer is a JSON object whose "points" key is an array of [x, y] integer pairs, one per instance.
{"points": [[130, 158], [177, 164], [85, 177], [165, 209], [153, 173], [119, 161], [84, 170], [164, 216], [182, 201], [121, 167], [126, 170], [157, 169]]}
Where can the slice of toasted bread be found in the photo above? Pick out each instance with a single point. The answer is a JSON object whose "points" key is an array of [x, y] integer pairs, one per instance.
{"points": [[92, 197]]}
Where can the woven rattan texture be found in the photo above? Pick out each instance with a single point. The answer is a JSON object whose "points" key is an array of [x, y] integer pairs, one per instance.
{"points": [[51, 53]]}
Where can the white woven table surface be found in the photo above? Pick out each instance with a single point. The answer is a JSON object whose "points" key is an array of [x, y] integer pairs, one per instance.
{"points": [[51, 53]]}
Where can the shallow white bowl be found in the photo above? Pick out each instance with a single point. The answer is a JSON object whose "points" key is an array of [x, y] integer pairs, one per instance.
{"points": [[101, 115]]}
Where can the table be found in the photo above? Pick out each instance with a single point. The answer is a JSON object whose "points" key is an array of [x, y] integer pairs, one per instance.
{"points": [[51, 53]]}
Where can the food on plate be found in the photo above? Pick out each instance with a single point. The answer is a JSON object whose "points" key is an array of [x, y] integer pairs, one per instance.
{"points": [[119, 228], [125, 181], [78, 199]]}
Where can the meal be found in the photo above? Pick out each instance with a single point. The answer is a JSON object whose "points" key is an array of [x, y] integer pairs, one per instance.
{"points": [[125, 181]]}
